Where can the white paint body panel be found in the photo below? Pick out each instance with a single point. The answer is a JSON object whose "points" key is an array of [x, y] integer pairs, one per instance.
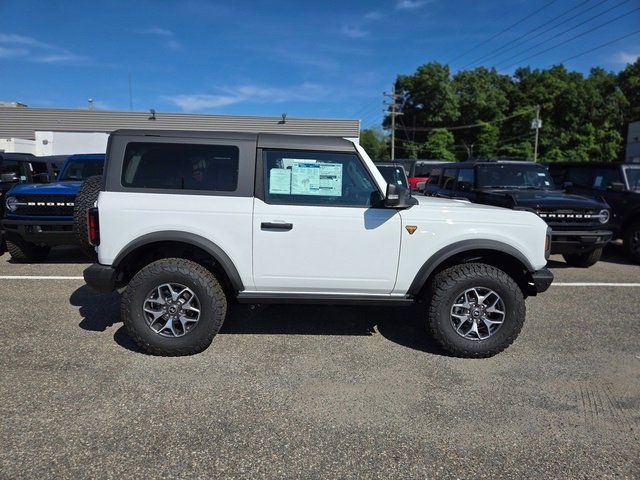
{"points": [[226, 221], [342, 249]]}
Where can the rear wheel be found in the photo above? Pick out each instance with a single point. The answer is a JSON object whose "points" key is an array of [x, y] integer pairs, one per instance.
{"points": [[632, 242], [85, 199], [583, 260], [173, 307], [26, 252], [476, 310]]}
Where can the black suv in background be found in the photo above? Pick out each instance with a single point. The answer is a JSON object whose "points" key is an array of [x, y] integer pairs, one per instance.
{"points": [[618, 184], [20, 168], [579, 224]]}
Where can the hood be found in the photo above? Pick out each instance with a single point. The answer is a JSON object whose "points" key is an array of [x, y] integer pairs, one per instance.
{"points": [[430, 202], [55, 188], [549, 199]]}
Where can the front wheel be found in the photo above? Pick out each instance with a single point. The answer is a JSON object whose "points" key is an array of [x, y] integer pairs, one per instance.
{"points": [[583, 260], [173, 307], [475, 311]]}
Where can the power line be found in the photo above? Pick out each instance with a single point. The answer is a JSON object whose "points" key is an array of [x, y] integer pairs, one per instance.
{"points": [[568, 40], [600, 46], [501, 49], [526, 17], [473, 125]]}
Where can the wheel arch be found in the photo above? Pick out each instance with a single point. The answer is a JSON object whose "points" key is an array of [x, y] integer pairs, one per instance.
{"points": [[154, 246], [499, 254]]}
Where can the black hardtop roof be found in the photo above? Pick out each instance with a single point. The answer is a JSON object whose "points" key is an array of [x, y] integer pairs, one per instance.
{"points": [[22, 156], [591, 164], [264, 140], [473, 163]]}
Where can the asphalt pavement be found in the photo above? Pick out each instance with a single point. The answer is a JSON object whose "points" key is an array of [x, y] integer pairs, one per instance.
{"points": [[319, 392]]}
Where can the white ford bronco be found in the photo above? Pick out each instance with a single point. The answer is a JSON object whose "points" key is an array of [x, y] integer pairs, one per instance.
{"points": [[185, 222]]}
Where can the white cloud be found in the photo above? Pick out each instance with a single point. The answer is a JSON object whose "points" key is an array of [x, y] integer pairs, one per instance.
{"points": [[409, 4], [12, 45], [8, 52], [373, 15], [163, 32], [625, 57], [353, 31], [246, 93], [169, 37]]}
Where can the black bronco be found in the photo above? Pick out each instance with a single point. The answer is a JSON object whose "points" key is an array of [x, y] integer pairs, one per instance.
{"points": [[21, 168], [579, 224], [618, 184]]}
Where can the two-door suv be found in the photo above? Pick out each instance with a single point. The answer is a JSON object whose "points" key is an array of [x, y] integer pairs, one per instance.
{"points": [[618, 184], [580, 224], [187, 221]]}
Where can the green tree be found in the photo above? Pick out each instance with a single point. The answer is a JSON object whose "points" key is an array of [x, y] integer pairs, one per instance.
{"points": [[487, 141], [439, 144], [375, 144]]}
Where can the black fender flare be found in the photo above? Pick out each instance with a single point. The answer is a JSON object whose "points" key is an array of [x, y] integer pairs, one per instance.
{"points": [[205, 244], [460, 247]]}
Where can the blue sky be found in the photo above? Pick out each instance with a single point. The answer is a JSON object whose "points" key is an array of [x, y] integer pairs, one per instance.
{"points": [[319, 59]]}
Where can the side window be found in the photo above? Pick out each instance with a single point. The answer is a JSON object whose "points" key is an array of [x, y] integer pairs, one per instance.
{"points": [[434, 178], [317, 178], [580, 177], [180, 166], [466, 179], [604, 177], [21, 169], [449, 179]]}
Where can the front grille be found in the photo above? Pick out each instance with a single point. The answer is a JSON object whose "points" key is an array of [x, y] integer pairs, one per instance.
{"points": [[45, 205], [570, 217]]}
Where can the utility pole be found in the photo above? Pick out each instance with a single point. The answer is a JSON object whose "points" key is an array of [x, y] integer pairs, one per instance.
{"points": [[393, 113], [537, 124]]}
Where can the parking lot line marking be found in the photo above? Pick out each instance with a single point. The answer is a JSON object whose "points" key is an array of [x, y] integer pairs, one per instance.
{"points": [[594, 284], [38, 277]]}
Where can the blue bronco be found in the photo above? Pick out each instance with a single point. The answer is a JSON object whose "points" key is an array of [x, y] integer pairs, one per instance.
{"points": [[40, 216]]}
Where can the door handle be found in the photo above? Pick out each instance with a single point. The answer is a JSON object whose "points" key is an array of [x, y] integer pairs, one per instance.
{"points": [[276, 226]]}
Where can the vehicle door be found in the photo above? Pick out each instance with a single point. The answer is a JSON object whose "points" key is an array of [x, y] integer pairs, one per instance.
{"points": [[318, 225], [465, 184]]}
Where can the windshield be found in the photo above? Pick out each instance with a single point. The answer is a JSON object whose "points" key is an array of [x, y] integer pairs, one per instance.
{"points": [[80, 170], [394, 175], [516, 176], [633, 177]]}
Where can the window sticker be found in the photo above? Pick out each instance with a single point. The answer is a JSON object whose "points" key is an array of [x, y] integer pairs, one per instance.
{"points": [[305, 178], [597, 182], [280, 181], [331, 179], [542, 174]]}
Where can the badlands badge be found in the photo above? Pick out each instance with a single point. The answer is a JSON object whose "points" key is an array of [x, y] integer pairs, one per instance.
{"points": [[411, 229]]}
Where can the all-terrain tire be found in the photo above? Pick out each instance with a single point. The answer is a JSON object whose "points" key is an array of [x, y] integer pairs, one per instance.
{"points": [[631, 241], [583, 260], [213, 306], [85, 199], [449, 285], [26, 252]]}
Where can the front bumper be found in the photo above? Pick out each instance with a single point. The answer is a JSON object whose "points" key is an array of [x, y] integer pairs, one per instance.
{"points": [[101, 278], [41, 232], [539, 281], [578, 241]]}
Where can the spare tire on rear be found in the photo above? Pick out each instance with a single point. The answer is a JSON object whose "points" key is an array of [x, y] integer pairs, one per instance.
{"points": [[85, 199]]}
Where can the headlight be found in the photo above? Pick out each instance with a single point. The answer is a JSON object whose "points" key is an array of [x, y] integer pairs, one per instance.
{"points": [[603, 216], [12, 204]]}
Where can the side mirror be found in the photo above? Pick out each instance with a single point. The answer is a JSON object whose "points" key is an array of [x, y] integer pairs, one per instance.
{"points": [[41, 178], [566, 185], [397, 196], [9, 178], [617, 186]]}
